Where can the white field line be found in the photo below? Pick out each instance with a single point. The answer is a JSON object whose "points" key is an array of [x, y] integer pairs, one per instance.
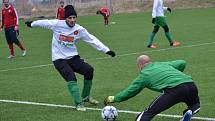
{"points": [[28, 67], [158, 50], [98, 109], [120, 55]]}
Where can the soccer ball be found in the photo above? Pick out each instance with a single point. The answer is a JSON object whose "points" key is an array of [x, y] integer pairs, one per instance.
{"points": [[109, 113]]}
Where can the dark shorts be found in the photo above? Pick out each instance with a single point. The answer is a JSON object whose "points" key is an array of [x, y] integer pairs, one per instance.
{"points": [[68, 67], [11, 35], [186, 93], [106, 17]]}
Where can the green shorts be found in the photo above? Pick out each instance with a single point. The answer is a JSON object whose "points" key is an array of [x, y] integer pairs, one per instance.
{"points": [[161, 21]]}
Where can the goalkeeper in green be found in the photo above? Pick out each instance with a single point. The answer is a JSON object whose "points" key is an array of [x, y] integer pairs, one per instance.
{"points": [[158, 19], [167, 78]]}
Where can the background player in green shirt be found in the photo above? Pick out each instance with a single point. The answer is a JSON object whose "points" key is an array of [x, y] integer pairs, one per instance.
{"points": [[167, 78]]}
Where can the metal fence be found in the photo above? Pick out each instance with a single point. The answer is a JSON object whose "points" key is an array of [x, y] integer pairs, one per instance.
{"points": [[29, 8], [32, 8]]}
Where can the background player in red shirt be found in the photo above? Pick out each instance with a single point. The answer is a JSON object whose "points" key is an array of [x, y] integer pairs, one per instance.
{"points": [[60, 11], [105, 13], [10, 22]]}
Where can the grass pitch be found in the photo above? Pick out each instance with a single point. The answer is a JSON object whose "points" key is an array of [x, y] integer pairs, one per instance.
{"points": [[33, 78]]}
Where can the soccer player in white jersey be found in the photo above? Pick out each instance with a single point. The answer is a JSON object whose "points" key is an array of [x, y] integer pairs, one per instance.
{"points": [[158, 19], [66, 33]]}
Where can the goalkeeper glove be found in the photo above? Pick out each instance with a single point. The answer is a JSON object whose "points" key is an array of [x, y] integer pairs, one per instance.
{"points": [[28, 23], [169, 9], [109, 99], [111, 53]]}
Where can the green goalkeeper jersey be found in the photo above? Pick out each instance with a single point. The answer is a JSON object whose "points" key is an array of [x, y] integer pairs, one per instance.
{"points": [[156, 76]]}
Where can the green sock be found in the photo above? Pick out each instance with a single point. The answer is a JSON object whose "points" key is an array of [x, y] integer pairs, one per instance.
{"points": [[86, 88], [168, 36], [151, 38], [74, 91]]}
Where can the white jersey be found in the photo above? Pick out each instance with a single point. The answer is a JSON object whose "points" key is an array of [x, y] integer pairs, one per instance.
{"points": [[65, 37], [158, 8]]}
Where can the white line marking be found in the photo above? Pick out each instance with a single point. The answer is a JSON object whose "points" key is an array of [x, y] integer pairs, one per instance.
{"points": [[38, 66], [98, 109], [120, 55]]}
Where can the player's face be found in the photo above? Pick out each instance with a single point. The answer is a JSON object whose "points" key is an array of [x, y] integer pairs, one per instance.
{"points": [[61, 4], [71, 20], [6, 4]]}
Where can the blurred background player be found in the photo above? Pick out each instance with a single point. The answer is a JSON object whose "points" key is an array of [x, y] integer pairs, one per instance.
{"points": [[158, 19], [168, 79], [10, 23], [66, 34], [105, 13], [60, 11]]}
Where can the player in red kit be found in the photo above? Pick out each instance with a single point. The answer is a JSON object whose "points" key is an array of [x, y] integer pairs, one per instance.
{"points": [[10, 22], [105, 13], [60, 11]]}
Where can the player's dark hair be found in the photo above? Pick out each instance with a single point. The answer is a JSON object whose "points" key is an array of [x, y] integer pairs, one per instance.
{"points": [[98, 12]]}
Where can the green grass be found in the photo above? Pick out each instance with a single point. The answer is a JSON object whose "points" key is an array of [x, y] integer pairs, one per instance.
{"points": [[128, 35]]}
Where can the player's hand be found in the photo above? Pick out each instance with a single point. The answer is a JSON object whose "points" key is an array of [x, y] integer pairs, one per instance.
{"points": [[16, 28], [28, 23], [111, 53], [109, 99], [17, 33], [103, 14], [169, 9], [153, 20]]}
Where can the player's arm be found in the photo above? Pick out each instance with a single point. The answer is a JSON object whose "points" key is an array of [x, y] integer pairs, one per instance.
{"points": [[49, 24], [16, 19], [165, 8], [132, 90], [2, 21], [168, 9], [57, 13], [178, 64], [95, 43], [108, 12]]}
